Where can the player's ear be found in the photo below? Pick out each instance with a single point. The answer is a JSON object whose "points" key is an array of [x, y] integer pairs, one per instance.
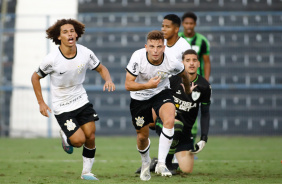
{"points": [[176, 29]]}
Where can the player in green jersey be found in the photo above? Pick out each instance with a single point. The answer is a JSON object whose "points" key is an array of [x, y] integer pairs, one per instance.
{"points": [[201, 45]]}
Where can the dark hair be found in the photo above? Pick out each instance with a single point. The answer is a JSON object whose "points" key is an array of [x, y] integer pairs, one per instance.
{"points": [[189, 15], [174, 18], [53, 32], [155, 35], [189, 51]]}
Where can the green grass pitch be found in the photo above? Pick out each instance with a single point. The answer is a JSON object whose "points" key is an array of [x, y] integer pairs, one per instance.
{"points": [[224, 160]]}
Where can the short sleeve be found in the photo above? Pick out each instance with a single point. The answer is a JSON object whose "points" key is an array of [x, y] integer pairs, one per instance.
{"points": [[205, 47], [206, 95], [94, 62], [46, 67], [133, 66], [178, 68]]}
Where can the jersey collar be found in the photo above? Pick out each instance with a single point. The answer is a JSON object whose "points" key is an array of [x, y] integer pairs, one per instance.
{"points": [[152, 63], [67, 57]]}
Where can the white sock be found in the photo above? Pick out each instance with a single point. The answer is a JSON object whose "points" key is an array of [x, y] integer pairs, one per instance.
{"points": [[164, 144], [145, 154], [87, 164]]}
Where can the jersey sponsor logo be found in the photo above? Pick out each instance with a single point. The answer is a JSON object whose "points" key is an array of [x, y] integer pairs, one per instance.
{"points": [[140, 121], [184, 105], [134, 67], [143, 94], [70, 125], [71, 101], [178, 92], [195, 95]]}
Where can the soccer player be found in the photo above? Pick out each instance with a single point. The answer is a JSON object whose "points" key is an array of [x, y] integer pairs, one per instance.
{"points": [[201, 45], [175, 45], [147, 80], [187, 107], [66, 66]]}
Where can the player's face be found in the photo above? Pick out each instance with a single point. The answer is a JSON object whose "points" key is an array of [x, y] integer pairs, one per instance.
{"points": [[188, 26], [169, 29], [67, 35], [155, 49], [191, 63]]}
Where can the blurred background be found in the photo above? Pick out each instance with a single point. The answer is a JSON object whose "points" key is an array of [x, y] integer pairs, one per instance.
{"points": [[246, 52]]}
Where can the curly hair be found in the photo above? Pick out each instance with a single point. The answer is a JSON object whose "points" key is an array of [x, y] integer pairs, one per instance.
{"points": [[53, 32]]}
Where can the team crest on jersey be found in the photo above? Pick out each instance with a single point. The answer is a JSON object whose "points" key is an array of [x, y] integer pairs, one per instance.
{"points": [[162, 75], [80, 68], [139, 121], [195, 95], [70, 125]]}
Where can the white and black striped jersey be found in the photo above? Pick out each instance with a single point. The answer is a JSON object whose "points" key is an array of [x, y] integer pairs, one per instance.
{"points": [[67, 76], [140, 67]]}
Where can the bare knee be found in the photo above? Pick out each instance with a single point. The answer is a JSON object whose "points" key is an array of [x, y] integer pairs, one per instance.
{"points": [[77, 141], [142, 138], [186, 170], [90, 136]]}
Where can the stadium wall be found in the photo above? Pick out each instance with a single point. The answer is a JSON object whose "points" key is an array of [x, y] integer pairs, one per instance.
{"points": [[29, 49]]}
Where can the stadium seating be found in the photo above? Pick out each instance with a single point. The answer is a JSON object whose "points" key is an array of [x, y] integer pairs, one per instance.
{"points": [[245, 50], [245, 39], [7, 63]]}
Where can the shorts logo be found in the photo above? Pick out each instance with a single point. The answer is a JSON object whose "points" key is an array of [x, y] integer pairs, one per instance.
{"points": [[140, 121], [178, 92], [166, 100], [95, 115], [70, 125]]}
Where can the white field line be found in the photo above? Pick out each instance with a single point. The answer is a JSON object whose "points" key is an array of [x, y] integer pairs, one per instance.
{"points": [[133, 161]]}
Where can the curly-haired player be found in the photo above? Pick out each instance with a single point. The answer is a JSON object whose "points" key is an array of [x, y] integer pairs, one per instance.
{"points": [[66, 66]]}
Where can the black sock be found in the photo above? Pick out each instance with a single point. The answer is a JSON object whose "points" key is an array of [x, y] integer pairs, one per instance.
{"points": [[88, 153], [178, 127]]}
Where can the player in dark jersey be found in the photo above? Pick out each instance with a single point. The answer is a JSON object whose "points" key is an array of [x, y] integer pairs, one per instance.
{"points": [[201, 45], [187, 107]]}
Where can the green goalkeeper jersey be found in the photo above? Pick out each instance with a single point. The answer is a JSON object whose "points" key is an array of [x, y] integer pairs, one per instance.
{"points": [[201, 45]]}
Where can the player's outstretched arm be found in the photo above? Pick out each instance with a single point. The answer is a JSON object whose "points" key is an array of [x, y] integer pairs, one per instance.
{"points": [[43, 107], [105, 74]]}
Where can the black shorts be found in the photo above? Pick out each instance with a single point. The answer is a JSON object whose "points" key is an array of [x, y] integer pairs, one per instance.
{"points": [[185, 142], [71, 121], [141, 111]]}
